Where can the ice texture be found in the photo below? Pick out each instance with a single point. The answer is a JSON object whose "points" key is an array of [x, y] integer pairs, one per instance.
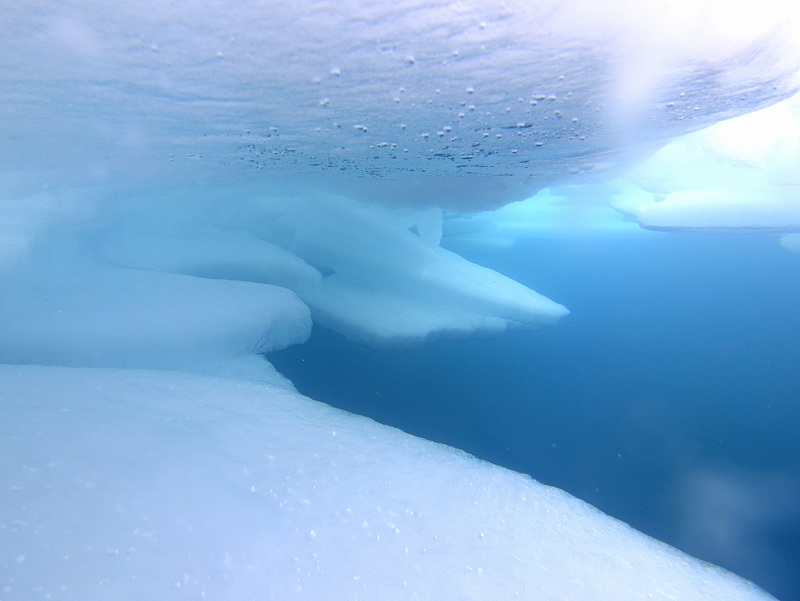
{"points": [[374, 274], [187, 185], [131, 318], [131, 484], [738, 175], [463, 106]]}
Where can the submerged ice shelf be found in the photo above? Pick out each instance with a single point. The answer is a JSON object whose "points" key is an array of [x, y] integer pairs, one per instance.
{"points": [[259, 488], [184, 188], [231, 489]]}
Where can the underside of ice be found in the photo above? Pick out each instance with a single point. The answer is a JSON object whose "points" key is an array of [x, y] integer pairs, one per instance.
{"points": [[185, 188], [463, 106], [738, 175]]}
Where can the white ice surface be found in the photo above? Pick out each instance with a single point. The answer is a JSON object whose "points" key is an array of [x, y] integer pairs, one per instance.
{"points": [[129, 484], [376, 275], [463, 105], [565, 212], [738, 175], [128, 318], [758, 208]]}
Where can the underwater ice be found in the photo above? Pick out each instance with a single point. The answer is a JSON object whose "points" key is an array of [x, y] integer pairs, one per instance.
{"points": [[741, 174], [186, 187], [129, 484]]}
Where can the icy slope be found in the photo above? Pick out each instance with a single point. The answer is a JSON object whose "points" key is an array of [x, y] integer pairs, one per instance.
{"points": [[152, 485]]}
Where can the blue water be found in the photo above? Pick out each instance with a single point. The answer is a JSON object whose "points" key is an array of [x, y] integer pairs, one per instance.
{"points": [[669, 398]]}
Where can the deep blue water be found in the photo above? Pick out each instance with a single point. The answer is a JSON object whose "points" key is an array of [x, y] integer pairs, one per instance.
{"points": [[669, 398]]}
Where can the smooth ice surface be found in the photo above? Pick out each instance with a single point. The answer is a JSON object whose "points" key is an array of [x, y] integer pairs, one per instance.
{"points": [[770, 208], [742, 174], [224, 489], [566, 212], [462, 105], [373, 274], [129, 318]]}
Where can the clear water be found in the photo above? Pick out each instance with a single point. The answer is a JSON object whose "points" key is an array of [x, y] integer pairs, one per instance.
{"points": [[668, 398]]}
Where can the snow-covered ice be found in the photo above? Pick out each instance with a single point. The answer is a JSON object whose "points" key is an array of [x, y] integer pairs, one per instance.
{"points": [[131, 484]]}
